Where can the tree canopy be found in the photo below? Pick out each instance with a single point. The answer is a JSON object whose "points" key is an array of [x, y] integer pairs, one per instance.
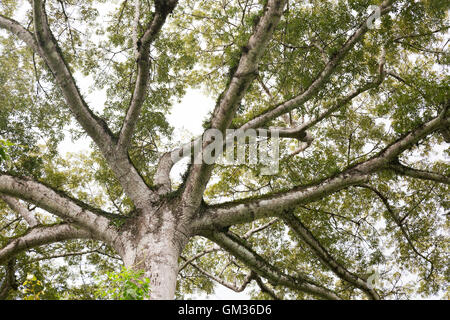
{"points": [[357, 89]]}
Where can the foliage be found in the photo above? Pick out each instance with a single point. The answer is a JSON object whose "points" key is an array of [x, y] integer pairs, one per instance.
{"points": [[127, 284], [4, 144], [32, 288]]}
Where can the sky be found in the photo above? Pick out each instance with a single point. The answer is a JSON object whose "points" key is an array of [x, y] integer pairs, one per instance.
{"points": [[186, 116]]}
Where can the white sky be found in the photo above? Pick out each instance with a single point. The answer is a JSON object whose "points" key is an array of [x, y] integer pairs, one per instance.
{"points": [[186, 117]]}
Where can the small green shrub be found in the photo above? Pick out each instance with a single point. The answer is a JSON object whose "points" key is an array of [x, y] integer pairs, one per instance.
{"points": [[127, 284]]}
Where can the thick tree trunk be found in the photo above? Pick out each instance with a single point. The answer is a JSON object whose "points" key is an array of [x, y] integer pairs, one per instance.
{"points": [[153, 243], [161, 267]]}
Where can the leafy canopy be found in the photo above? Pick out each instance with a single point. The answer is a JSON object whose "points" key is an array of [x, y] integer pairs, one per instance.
{"points": [[198, 49]]}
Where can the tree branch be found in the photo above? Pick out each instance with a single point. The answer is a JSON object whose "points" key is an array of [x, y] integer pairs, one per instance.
{"points": [[49, 50], [56, 202], [19, 31], [240, 249], [40, 236], [132, 182], [273, 205], [321, 79], [325, 257], [9, 281], [162, 176], [162, 10], [16, 206], [229, 100], [418, 174]]}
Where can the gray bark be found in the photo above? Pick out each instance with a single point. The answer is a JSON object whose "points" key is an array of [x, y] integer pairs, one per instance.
{"points": [[153, 242]]}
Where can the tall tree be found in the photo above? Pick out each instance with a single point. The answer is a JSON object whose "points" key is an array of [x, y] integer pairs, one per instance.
{"points": [[357, 90]]}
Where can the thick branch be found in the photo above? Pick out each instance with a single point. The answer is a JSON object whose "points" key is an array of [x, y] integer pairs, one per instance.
{"points": [[326, 258], [258, 229], [39, 236], [321, 79], [195, 257], [399, 222], [298, 132], [56, 202], [419, 174], [226, 214], [248, 65], [259, 265], [18, 30], [162, 176]]}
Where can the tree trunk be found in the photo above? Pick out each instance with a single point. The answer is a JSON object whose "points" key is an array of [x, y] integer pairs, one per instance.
{"points": [[153, 243]]}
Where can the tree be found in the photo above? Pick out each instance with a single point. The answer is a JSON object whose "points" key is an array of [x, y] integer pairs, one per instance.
{"points": [[356, 90]]}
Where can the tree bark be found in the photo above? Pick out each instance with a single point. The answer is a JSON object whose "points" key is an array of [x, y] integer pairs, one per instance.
{"points": [[152, 242]]}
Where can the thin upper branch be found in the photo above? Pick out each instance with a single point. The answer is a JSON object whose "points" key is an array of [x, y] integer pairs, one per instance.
{"points": [[266, 289], [321, 79], [253, 231], [161, 178], [9, 281], [168, 160], [298, 132], [217, 279], [248, 65], [419, 174], [399, 222]]}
